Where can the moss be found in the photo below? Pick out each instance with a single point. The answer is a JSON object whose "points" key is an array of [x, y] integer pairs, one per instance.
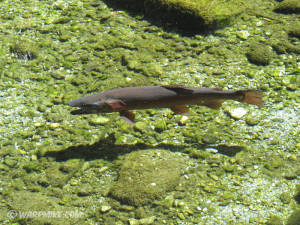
{"points": [[274, 163], [32, 166], [188, 14], [297, 195], [147, 175], [288, 6], [294, 31], [84, 190], [10, 161], [23, 49], [259, 54], [205, 13], [55, 177], [197, 153], [25, 202], [160, 125], [228, 167], [71, 166], [294, 218], [284, 46], [285, 197]]}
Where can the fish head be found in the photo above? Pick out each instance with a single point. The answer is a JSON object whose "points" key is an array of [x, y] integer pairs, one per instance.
{"points": [[89, 107]]}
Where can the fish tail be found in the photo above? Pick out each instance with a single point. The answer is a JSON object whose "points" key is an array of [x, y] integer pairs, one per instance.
{"points": [[253, 97]]}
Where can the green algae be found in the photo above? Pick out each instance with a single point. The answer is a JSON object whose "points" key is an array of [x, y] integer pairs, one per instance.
{"points": [[294, 218], [24, 49], [213, 13], [274, 163], [259, 54], [187, 14], [288, 6], [274, 220], [32, 166], [147, 175], [24, 202]]}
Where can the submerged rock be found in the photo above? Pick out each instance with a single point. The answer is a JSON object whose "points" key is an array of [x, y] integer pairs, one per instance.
{"points": [[55, 177], [259, 54], [192, 15], [274, 220], [23, 49], [294, 218], [237, 113], [294, 31], [288, 6], [147, 175], [35, 208]]}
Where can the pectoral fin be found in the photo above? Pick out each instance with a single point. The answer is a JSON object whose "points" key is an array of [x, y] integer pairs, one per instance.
{"points": [[116, 105], [180, 109], [180, 90], [212, 104], [127, 116]]}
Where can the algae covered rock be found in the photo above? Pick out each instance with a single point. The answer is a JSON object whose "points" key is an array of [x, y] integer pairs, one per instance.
{"points": [[55, 176], [147, 175], [259, 54], [23, 49], [198, 13], [297, 195], [193, 15], [294, 31], [288, 6], [294, 218], [274, 220], [35, 208]]}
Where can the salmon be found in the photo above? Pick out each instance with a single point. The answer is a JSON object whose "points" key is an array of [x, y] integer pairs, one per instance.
{"points": [[175, 97]]}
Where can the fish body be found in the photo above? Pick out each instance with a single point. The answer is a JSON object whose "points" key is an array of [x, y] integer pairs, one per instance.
{"points": [[167, 96]]}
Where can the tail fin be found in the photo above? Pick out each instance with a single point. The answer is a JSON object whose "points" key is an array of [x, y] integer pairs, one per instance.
{"points": [[253, 97]]}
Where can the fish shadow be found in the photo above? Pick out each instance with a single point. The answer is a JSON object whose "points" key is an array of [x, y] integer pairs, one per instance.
{"points": [[107, 149], [229, 150]]}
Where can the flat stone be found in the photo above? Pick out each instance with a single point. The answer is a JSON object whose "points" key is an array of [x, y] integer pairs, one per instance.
{"points": [[105, 208], [243, 34], [237, 113], [98, 120]]}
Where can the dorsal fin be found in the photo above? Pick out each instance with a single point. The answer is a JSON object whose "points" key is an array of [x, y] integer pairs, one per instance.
{"points": [[181, 90]]}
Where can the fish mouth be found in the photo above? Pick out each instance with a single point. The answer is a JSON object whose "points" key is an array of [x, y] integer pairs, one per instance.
{"points": [[86, 110], [82, 109], [79, 111]]}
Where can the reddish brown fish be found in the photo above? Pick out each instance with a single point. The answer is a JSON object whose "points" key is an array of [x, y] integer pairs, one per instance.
{"points": [[167, 96]]}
